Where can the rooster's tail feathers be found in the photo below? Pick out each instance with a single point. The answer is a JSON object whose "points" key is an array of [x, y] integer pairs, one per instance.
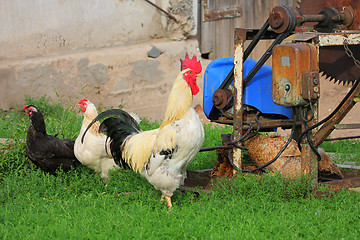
{"points": [[121, 116], [118, 125]]}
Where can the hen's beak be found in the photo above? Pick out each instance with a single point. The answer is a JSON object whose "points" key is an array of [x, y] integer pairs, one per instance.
{"points": [[198, 75]]}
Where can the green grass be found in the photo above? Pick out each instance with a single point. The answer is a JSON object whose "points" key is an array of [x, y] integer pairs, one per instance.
{"points": [[78, 205]]}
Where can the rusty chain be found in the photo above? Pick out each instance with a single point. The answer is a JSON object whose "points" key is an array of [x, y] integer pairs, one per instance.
{"points": [[350, 54]]}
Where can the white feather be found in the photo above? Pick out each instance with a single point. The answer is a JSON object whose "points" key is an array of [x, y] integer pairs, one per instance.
{"points": [[92, 152]]}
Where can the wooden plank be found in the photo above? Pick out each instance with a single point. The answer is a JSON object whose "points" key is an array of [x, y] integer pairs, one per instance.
{"points": [[348, 166], [222, 43], [355, 189]]}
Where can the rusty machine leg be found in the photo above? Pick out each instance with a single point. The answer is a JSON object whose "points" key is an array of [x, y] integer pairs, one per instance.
{"points": [[240, 37]]}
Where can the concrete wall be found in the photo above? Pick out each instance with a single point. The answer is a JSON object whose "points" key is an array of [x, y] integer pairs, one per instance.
{"points": [[113, 77], [39, 27], [95, 49]]}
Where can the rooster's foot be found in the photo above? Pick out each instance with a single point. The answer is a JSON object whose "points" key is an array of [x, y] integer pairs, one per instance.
{"points": [[168, 200]]}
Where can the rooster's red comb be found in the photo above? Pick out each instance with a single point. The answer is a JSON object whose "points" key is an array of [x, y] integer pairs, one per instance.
{"points": [[191, 63], [83, 100]]}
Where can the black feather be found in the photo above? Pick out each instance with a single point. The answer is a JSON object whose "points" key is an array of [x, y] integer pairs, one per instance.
{"points": [[123, 117], [168, 153], [118, 125]]}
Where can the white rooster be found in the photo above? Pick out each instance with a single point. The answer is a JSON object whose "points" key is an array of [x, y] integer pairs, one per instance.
{"points": [[160, 155]]}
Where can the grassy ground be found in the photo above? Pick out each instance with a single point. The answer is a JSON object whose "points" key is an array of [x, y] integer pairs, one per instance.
{"points": [[78, 205]]}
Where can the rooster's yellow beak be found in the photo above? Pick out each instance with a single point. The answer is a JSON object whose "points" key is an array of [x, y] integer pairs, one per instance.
{"points": [[198, 75]]}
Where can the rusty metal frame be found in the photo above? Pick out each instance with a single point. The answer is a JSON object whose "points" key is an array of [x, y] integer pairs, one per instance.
{"points": [[310, 162], [242, 117], [324, 40], [310, 165]]}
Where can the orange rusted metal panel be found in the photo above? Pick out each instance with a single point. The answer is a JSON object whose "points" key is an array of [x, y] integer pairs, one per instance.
{"points": [[292, 65]]}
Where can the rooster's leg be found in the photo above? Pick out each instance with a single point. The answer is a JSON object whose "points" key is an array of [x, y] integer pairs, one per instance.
{"points": [[168, 200], [169, 204]]}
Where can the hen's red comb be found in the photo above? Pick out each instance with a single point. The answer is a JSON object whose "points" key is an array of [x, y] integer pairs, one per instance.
{"points": [[191, 63], [25, 107], [83, 100]]}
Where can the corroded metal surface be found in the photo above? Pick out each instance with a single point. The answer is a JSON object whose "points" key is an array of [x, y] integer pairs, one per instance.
{"points": [[333, 60], [335, 55], [202, 179], [311, 7], [310, 86], [290, 62], [221, 98], [337, 65], [240, 37], [281, 17], [351, 180]]}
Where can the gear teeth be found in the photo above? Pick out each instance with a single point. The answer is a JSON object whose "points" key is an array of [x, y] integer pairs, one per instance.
{"points": [[327, 77], [336, 80], [323, 75]]}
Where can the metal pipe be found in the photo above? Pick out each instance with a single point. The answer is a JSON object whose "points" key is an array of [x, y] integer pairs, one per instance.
{"points": [[312, 18], [214, 148]]}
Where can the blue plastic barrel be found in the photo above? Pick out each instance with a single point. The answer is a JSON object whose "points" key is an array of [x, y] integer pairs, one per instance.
{"points": [[258, 93]]}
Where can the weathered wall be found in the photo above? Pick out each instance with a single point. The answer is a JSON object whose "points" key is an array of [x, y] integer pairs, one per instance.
{"points": [[36, 27], [95, 49], [113, 77]]}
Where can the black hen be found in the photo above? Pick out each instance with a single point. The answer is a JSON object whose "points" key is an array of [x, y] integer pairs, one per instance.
{"points": [[45, 151]]}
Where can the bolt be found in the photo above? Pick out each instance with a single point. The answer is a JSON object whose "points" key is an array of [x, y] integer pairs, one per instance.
{"points": [[316, 89], [316, 81]]}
